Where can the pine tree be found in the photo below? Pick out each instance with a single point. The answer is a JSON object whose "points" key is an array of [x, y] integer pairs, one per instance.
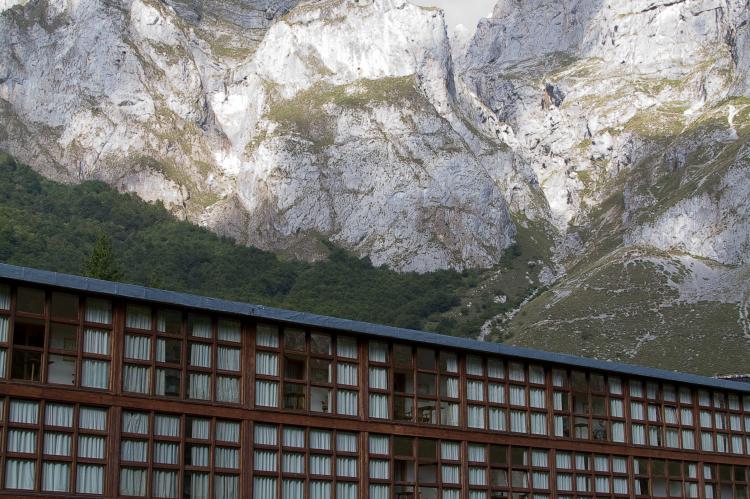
{"points": [[102, 264]]}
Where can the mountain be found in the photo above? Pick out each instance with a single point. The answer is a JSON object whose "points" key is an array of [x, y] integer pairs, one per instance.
{"points": [[590, 155]]}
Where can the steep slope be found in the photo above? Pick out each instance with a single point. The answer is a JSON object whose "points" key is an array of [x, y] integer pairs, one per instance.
{"points": [[340, 123], [633, 117]]}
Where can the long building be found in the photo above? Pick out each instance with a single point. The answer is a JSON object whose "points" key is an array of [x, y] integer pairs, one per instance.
{"points": [[117, 390]]}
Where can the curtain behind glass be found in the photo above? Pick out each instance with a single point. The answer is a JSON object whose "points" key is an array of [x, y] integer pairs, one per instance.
{"points": [[133, 482], [55, 477], [89, 479], [95, 374], [226, 487], [227, 431], [137, 347], [19, 474], [164, 483], [136, 379], [23, 411], [264, 487], [378, 406], [99, 311], [266, 394]]}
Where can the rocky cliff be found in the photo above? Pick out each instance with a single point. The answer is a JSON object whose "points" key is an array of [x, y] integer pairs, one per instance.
{"points": [[610, 136]]}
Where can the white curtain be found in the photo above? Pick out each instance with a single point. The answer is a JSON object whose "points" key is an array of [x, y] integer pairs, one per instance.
{"points": [[618, 432], [200, 355], [19, 474], [517, 395], [451, 387], [346, 402], [264, 487], [538, 423], [91, 447], [346, 346], [706, 420], [292, 489], [346, 466], [227, 389], [672, 438], [265, 434], [96, 341], [320, 490], [166, 426], [266, 363], [199, 455], [736, 444], [346, 490], [226, 487], [378, 378], [477, 453], [474, 366], [537, 398], [135, 422], [616, 408], [539, 458], [266, 394], [58, 415], [475, 390], [320, 440], [346, 442], [636, 410], [582, 462], [636, 388], [496, 393], [137, 347], [138, 317], [564, 481], [92, 418], [57, 444], [516, 372], [378, 444], [475, 416], [264, 460], [601, 463], [346, 374], [4, 297], [227, 431], [559, 378], [451, 473], [380, 491], [449, 415], [199, 386], [602, 484], [378, 406], [619, 465], [135, 379], [563, 460], [293, 437], [199, 325], [540, 480], [201, 428], [95, 373], [379, 469], [55, 477], [3, 357], [198, 485], [166, 452], [132, 482], [518, 421], [22, 441], [292, 462], [99, 311], [320, 465], [225, 457], [536, 375], [653, 413], [638, 434], [450, 451], [670, 415], [559, 423], [378, 352], [228, 359], [3, 329], [497, 419], [615, 386], [620, 486], [165, 483], [495, 369], [477, 476], [229, 330], [583, 483], [267, 336], [90, 479], [722, 442], [133, 451]]}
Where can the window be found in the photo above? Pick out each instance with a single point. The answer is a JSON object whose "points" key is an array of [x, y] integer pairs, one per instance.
{"points": [[64, 443], [158, 345], [56, 339], [173, 453], [314, 371]]}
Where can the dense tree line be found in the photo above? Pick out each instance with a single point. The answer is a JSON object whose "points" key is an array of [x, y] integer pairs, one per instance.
{"points": [[91, 229]]}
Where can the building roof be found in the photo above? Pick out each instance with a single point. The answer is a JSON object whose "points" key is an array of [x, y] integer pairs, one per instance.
{"points": [[130, 291]]}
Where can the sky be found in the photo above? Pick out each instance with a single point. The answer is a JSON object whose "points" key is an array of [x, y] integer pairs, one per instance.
{"points": [[466, 12]]}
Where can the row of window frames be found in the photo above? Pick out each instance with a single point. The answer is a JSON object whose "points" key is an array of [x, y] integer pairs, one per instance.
{"points": [[169, 351]]}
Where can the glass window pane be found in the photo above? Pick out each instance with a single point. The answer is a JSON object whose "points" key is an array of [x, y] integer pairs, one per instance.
{"points": [[64, 306], [63, 337], [30, 300]]}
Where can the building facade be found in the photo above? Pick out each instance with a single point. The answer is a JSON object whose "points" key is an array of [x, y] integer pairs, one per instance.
{"points": [[113, 390]]}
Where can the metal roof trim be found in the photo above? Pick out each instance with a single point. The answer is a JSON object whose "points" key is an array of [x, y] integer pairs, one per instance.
{"points": [[132, 291]]}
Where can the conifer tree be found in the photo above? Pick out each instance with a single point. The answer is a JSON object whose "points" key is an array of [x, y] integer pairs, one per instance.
{"points": [[102, 264]]}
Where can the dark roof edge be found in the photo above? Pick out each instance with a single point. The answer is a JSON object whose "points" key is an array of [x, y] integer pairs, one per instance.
{"points": [[131, 291]]}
